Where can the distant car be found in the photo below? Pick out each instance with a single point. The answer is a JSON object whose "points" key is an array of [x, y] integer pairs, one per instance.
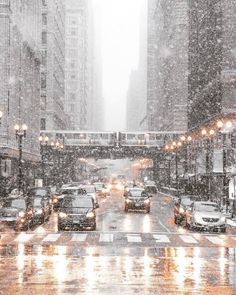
{"points": [[101, 189], [180, 207], [205, 215], [90, 190], [77, 213], [137, 199], [41, 192], [41, 210], [16, 214]]}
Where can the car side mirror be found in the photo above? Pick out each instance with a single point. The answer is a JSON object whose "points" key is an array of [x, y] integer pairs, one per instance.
{"points": [[96, 206]]}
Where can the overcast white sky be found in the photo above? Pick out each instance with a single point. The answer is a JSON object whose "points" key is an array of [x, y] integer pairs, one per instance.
{"points": [[119, 23]]}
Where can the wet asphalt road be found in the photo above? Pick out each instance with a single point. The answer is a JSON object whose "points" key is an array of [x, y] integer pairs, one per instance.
{"points": [[128, 253]]}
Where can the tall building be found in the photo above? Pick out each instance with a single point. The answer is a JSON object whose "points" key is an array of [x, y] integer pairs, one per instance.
{"points": [[136, 116], [167, 69], [53, 66], [212, 60], [84, 102], [20, 44]]}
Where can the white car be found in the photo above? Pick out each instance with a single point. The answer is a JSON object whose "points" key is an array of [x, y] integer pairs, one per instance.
{"points": [[205, 215]]}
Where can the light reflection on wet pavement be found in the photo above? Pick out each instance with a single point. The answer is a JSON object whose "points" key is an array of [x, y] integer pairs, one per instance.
{"points": [[102, 270], [129, 253]]}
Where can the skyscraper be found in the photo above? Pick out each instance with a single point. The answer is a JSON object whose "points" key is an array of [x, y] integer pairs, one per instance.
{"points": [[20, 45], [212, 60], [167, 69], [53, 66]]}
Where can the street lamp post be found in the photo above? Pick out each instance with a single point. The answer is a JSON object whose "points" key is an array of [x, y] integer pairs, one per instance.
{"points": [[20, 131], [43, 140]]}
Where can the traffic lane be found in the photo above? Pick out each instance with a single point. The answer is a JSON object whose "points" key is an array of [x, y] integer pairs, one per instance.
{"points": [[65, 270], [111, 215]]}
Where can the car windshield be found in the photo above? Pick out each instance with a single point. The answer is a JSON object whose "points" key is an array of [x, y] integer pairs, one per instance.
{"points": [[89, 189], [137, 193], [207, 208], [37, 202], [39, 192], [98, 185], [17, 203], [77, 203], [186, 202]]}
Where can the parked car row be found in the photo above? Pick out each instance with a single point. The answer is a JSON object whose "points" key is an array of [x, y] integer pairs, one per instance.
{"points": [[23, 212], [194, 213]]}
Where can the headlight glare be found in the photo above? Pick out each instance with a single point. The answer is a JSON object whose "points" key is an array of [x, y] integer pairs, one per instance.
{"points": [[62, 215], [90, 215]]}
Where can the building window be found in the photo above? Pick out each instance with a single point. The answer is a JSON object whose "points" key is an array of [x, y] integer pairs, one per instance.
{"points": [[73, 32], [43, 103], [43, 80], [43, 124], [44, 37], [44, 19], [44, 58], [72, 96]]}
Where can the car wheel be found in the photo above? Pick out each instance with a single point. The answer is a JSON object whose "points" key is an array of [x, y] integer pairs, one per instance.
{"points": [[126, 209], [176, 221], [223, 230], [94, 227], [148, 210], [186, 224]]}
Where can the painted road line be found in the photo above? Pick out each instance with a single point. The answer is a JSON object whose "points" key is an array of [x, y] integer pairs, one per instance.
{"points": [[134, 238], [106, 238], [215, 240], [188, 239], [161, 238], [23, 237], [78, 237], [51, 238]]}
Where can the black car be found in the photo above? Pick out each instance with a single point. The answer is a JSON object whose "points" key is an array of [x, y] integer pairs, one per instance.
{"points": [[77, 213], [16, 214], [64, 192], [41, 209], [137, 199]]}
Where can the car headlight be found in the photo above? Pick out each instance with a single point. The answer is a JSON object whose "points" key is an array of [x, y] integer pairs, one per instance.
{"points": [[147, 201], [21, 214], [90, 215], [181, 210], [55, 201], [128, 201], [197, 218], [62, 215], [40, 211], [223, 219]]}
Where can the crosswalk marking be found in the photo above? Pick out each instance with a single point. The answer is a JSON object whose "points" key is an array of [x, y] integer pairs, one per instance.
{"points": [[134, 238], [188, 239], [23, 237], [51, 238], [78, 237], [106, 238], [161, 238], [215, 240]]}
